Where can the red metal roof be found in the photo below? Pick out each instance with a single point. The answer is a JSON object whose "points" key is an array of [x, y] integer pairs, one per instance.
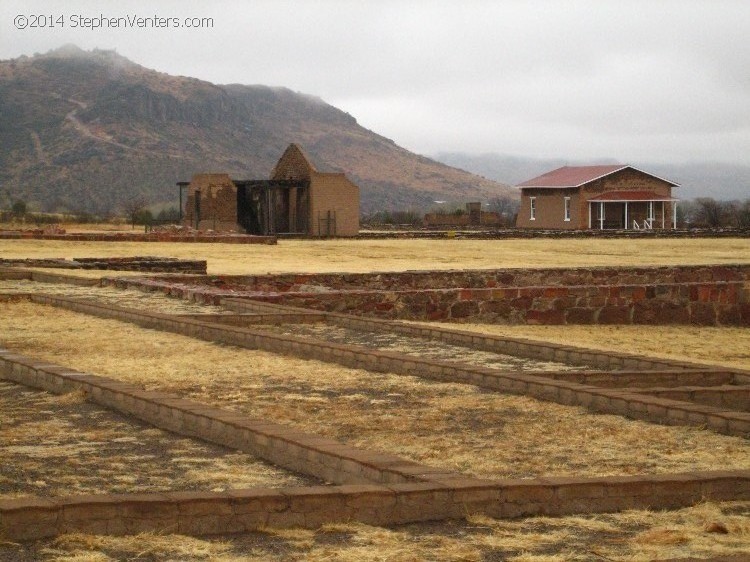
{"points": [[631, 196], [575, 176]]}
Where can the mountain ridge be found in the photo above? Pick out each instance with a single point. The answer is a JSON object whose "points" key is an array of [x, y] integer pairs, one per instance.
{"points": [[89, 130]]}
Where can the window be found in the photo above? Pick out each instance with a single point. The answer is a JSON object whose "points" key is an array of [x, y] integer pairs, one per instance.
{"points": [[532, 208], [567, 208]]}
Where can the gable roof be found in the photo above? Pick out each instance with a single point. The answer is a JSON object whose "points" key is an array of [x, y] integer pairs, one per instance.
{"points": [[576, 176]]}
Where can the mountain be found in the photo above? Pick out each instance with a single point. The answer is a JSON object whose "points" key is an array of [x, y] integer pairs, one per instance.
{"points": [[697, 179], [91, 130]]}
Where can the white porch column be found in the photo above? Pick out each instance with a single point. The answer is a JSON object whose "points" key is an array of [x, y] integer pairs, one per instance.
{"points": [[626, 215], [601, 215], [674, 218], [663, 206], [589, 215]]}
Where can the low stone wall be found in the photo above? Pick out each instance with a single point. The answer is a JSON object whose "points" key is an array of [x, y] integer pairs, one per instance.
{"points": [[419, 494], [616, 401], [284, 446], [699, 295], [475, 279], [390, 231], [12, 274], [730, 396], [145, 264], [521, 347], [237, 511], [704, 304], [257, 319], [141, 237]]}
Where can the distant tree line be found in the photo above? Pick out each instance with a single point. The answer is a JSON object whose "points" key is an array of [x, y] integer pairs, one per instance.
{"points": [[506, 207], [135, 211], [706, 212], [703, 212]]}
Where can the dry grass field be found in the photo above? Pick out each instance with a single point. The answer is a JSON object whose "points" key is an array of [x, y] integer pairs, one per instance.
{"points": [[400, 255], [60, 445], [130, 298], [704, 344], [456, 426], [452, 425]]}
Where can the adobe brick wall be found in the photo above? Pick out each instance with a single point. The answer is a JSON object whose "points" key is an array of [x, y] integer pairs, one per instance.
{"points": [[617, 401], [218, 203], [335, 193], [550, 202], [550, 209], [329, 191], [424, 494], [627, 179]]}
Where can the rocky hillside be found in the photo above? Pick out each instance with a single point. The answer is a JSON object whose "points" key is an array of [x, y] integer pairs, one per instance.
{"points": [[92, 130]]}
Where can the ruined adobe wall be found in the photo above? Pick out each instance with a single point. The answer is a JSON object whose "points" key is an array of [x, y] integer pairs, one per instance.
{"points": [[334, 193], [218, 203]]}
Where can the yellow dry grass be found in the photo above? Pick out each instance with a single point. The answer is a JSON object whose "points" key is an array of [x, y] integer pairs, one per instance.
{"points": [[633, 536], [455, 426], [130, 298], [400, 255], [59, 445], [710, 345]]}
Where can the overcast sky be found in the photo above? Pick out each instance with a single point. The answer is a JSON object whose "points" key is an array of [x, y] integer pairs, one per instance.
{"points": [[655, 81]]}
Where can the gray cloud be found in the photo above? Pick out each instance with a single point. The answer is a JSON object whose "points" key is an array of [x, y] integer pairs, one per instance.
{"points": [[663, 81]]}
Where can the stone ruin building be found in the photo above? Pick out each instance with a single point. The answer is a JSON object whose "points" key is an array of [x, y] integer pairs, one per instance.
{"points": [[296, 200]]}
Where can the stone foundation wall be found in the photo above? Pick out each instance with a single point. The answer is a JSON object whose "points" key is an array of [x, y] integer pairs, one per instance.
{"points": [[137, 263], [237, 511], [410, 493], [536, 385], [483, 279], [704, 304], [143, 237], [699, 295]]}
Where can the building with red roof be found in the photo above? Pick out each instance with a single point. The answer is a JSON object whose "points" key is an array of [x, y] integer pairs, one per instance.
{"points": [[613, 196]]}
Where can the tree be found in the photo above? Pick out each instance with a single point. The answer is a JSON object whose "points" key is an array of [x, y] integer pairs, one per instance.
{"points": [[506, 207], [740, 211], [709, 212], [744, 217], [19, 209], [134, 208]]}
